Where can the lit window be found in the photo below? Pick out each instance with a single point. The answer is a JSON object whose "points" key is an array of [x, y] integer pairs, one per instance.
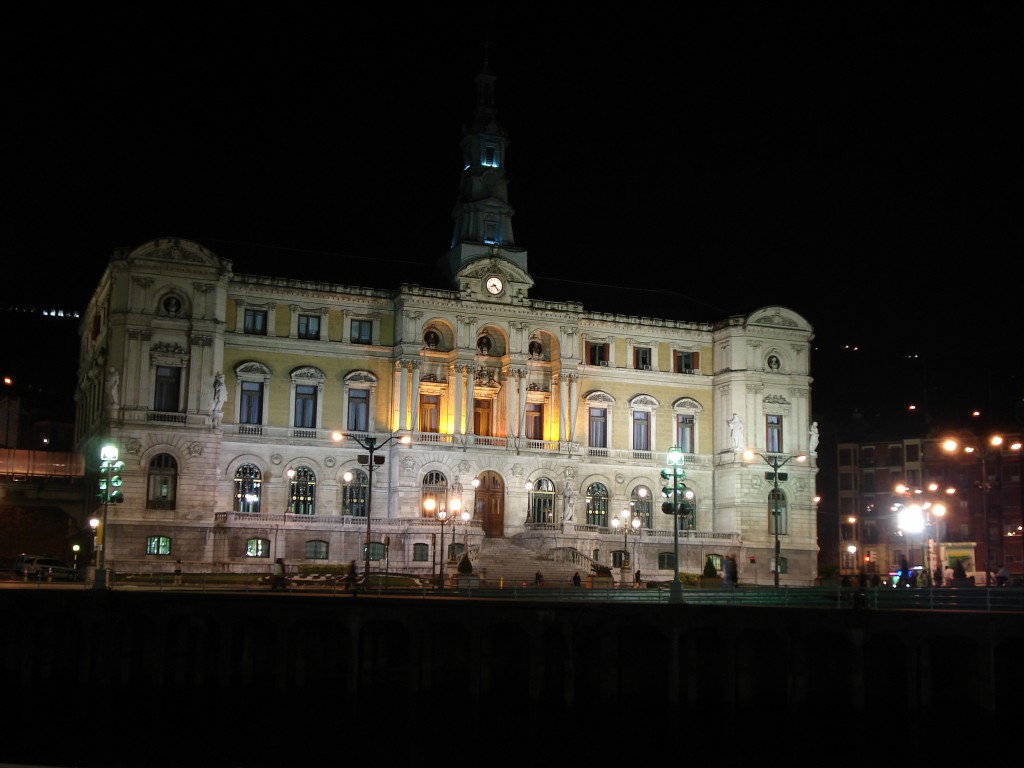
{"points": [[158, 545], [257, 548]]}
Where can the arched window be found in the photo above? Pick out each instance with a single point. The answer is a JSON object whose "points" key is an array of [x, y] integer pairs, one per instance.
{"points": [[248, 480], [353, 493], [597, 505], [302, 492], [162, 482], [435, 489], [542, 501], [778, 513], [641, 502]]}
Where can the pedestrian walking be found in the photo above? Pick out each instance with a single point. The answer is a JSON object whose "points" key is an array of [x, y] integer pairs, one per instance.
{"points": [[177, 573], [538, 579], [576, 579], [278, 582]]}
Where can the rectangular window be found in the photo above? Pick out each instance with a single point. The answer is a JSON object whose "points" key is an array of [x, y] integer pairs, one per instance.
{"points": [[777, 513], [642, 358], [686, 432], [305, 406], [686, 362], [359, 410], [257, 548], [309, 326], [362, 332], [430, 413], [773, 433], [158, 545], [250, 408], [641, 431], [256, 322], [316, 550], [167, 389], [598, 432], [420, 553], [534, 426], [597, 354], [482, 417]]}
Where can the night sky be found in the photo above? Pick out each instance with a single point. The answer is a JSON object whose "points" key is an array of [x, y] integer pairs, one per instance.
{"points": [[857, 164]]}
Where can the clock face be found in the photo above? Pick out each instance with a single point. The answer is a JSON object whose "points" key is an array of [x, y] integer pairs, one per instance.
{"points": [[494, 285]]}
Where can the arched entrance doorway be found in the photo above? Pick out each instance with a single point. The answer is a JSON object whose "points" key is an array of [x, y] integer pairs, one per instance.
{"points": [[489, 507]]}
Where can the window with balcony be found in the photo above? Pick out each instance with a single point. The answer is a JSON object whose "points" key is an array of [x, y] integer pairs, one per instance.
{"points": [[167, 389], [248, 480], [305, 406], [302, 492], [597, 432], [686, 432], [534, 421], [358, 419], [597, 505], [430, 413], [353, 495], [250, 409], [773, 433], [542, 501]]}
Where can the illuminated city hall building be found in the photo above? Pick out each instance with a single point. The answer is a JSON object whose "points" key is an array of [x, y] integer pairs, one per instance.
{"points": [[261, 417]]}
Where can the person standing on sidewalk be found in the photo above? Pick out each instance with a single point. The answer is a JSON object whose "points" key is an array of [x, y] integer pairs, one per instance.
{"points": [[278, 582], [177, 573]]}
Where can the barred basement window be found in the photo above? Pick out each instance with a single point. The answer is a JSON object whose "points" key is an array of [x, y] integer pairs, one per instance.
{"points": [[257, 548], [158, 545]]}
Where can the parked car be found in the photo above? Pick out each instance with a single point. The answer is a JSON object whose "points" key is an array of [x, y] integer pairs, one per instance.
{"points": [[41, 567]]}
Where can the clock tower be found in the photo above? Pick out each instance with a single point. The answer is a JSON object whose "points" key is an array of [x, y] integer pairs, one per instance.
{"points": [[484, 261]]}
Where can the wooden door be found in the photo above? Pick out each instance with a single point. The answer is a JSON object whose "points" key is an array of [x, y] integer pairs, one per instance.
{"points": [[489, 507]]}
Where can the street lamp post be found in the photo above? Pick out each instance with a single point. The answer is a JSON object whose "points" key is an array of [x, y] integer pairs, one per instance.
{"points": [[776, 462], [370, 460], [982, 448], [441, 513]]}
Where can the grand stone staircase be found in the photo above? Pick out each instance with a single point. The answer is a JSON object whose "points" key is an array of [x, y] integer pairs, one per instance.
{"points": [[504, 562]]}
